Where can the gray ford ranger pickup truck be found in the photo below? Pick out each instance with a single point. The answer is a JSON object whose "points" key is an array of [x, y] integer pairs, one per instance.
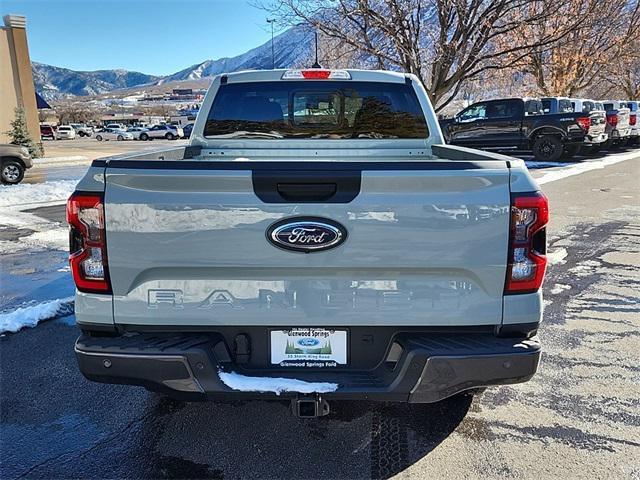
{"points": [[317, 240]]}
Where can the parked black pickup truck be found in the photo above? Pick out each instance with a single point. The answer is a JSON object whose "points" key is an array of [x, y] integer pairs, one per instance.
{"points": [[517, 124]]}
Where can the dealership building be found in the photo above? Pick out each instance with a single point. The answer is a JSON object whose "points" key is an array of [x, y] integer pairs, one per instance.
{"points": [[16, 77]]}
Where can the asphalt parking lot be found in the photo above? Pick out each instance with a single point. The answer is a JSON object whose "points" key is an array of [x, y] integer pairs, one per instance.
{"points": [[90, 148], [579, 417]]}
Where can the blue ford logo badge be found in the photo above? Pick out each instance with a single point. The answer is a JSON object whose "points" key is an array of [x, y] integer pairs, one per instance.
{"points": [[308, 342], [306, 234]]}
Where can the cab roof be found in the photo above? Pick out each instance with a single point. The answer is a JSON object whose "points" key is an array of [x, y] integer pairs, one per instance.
{"points": [[276, 75]]}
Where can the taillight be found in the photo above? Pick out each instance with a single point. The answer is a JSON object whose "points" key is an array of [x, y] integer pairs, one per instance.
{"points": [[584, 122], [612, 119], [632, 119], [527, 243], [87, 243]]}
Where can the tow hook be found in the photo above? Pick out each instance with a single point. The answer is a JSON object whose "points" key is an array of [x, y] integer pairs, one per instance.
{"points": [[309, 406]]}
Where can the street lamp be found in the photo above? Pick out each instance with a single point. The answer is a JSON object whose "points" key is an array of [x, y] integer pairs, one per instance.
{"points": [[273, 57]]}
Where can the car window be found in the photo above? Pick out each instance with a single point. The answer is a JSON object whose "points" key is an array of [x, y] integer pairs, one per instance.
{"points": [[496, 110], [474, 112], [546, 105], [533, 107], [608, 106], [316, 109], [564, 106], [587, 107]]}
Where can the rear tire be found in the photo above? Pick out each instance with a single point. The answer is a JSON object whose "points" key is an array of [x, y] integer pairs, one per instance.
{"points": [[169, 136], [11, 172], [99, 138], [547, 148], [144, 137]]}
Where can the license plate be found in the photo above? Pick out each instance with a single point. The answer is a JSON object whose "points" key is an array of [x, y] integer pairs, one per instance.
{"points": [[309, 347]]}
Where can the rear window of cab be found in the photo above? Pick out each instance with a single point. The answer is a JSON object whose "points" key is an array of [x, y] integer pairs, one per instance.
{"points": [[316, 110]]}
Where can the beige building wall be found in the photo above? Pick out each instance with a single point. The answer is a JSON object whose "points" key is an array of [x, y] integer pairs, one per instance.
{"points": [[16, 77]]}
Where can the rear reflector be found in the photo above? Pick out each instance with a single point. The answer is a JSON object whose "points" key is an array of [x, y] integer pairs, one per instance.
{"points": [[527, 243], [633, 118], [316, 74], [87, 243], [612, 119]]}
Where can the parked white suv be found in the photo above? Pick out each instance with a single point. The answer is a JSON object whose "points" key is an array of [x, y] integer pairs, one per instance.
{"points": [[82, 130], [65, 132], [170, 132]]}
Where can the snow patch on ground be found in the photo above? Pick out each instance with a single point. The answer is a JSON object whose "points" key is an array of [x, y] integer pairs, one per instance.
{"points": [[25, 194], [57, 238], [557, 257], [270, 384], [47, 234], [559, 288], [585, 268], [55, 160], [578, 168], [31, 315]]}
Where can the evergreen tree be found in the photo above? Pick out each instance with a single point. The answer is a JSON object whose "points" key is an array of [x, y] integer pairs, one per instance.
{"points": [[20, 134]]}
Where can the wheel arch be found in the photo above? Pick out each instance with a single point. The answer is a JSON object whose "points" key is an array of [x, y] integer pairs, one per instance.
{"points": [[4, 158], [547, 130]]}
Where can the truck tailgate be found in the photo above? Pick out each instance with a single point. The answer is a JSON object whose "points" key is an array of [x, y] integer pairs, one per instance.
{"points": [[427, 244]]}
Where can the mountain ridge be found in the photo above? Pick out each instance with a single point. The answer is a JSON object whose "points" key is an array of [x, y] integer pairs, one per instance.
{"points": [[292, 48]]}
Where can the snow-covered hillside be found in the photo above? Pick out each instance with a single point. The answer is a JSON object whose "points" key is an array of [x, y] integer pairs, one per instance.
{"points": [[292, 48]]}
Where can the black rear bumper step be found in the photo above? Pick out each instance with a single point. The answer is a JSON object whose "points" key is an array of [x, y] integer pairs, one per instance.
{"points": [[430, 368]]}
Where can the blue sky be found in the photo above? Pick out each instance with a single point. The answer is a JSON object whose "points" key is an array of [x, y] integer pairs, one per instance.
{"points": [[99, 34]]}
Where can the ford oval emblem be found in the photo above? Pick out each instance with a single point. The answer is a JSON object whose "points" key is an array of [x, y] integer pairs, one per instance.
{"points": [[306, 234], [308, 342]]}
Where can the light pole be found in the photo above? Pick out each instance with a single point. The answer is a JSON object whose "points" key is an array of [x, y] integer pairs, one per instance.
{"points": [[273, 57]]}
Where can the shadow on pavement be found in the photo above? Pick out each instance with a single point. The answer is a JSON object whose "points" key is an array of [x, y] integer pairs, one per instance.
{"points": [[262, 439]]}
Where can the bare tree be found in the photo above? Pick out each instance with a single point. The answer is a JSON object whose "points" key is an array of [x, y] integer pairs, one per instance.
{"points": [[75, 112], [578, 60], [445, 43]]}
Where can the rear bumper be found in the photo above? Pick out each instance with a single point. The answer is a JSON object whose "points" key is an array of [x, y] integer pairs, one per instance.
{"points": [[618, 134], [431, 367], [596, 139]]}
